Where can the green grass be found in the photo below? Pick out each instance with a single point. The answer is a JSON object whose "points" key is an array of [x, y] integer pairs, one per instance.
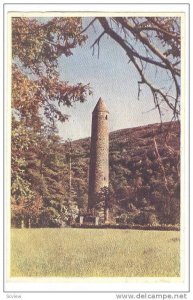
{"points": [[94, 252]]}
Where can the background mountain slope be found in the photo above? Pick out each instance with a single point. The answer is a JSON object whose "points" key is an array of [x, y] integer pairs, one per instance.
{"points": [[50, 184]]}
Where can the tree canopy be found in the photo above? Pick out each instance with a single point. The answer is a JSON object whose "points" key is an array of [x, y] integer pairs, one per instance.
{"points": [[37, 87]]}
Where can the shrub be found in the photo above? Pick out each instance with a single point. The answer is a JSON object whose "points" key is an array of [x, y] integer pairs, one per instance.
{"points": [[145, 218]]}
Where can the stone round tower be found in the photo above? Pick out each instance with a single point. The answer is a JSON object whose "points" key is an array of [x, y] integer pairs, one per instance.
{"points": [[99, 152]]}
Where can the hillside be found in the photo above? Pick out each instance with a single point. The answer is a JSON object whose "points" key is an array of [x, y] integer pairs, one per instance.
{"points": [[144, 164], [144, 182]]}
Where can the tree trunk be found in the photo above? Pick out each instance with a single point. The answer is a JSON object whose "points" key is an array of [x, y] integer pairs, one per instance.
{"points": [[106, 215], [22, 223]]}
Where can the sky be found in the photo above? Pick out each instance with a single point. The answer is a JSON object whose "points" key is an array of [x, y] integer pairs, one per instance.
{"points": [[112, 78]]}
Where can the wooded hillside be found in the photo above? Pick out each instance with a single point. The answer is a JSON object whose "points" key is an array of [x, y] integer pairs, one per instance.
{"points": [[144, 178]]}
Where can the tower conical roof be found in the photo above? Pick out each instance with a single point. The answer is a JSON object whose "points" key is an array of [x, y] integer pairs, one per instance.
{"points": [[100, 106]]}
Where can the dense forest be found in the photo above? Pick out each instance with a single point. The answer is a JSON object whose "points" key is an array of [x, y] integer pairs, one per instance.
{"points": [[50, 177]]}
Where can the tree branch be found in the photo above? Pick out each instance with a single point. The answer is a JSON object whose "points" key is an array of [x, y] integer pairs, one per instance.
{"points": [[98, 39], [142, 37], [155, 91], [150, 28], [91, 23]]}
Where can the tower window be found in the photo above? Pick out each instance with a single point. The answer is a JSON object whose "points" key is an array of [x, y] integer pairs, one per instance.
{"points": [[104, 178], [106, 117]]}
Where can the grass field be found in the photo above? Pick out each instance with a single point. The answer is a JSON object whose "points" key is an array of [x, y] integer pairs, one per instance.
{"points": [[94, 252]]}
